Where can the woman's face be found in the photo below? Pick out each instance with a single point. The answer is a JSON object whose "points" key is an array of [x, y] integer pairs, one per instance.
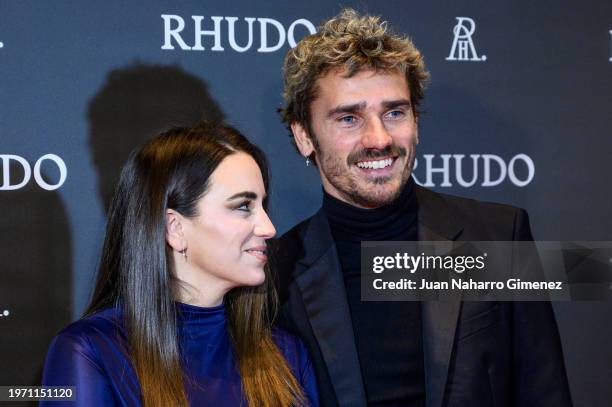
{"points": [[226, 241]]}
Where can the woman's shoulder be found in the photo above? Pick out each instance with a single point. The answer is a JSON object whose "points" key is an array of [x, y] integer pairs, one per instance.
{"points": [[284, 338], [85, 334], [292, 347], [299, 361], [91, 354]]}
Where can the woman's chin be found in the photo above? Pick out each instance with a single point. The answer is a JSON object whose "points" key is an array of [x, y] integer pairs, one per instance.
{"points": [[254, 278]]}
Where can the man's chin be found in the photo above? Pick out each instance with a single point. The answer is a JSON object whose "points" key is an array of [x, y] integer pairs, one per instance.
{"points": [[376, 196]]}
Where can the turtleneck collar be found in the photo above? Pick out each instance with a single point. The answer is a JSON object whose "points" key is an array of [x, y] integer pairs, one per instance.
{"points": [[394, 221], [192, 316]]}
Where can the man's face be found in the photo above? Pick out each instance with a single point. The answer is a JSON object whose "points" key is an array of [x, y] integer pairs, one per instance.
{"points": [[365, 133]]}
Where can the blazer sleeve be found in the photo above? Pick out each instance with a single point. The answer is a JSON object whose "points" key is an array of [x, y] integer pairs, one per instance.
{"points": [[72, 361], [538, 357]]}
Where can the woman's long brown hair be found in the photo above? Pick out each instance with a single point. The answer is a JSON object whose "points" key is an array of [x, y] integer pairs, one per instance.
{"points": [[172, 171]]}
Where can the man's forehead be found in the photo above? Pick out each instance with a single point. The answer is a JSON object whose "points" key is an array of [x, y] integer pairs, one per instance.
{"points": [[364, 87], [365, 70]]}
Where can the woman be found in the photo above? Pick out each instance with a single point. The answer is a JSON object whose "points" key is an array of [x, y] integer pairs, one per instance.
{"points": [[179, 315]]}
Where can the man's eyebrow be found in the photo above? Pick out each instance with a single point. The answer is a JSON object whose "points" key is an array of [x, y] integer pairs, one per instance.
{"points": [[352, 108], [356, 107], [390, 104], [244, 194]]}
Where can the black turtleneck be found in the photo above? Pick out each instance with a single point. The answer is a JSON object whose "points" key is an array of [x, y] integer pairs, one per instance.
{"points": [[387, 334]]}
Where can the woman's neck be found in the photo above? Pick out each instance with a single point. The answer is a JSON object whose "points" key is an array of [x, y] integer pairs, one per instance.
{"points": [[196, 287]]}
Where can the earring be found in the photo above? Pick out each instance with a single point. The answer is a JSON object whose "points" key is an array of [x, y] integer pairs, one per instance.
{"points": [[307, 162], [184, 253]]}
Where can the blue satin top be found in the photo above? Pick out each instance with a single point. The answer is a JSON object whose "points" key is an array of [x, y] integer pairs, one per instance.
{"points": [[91, 355]]}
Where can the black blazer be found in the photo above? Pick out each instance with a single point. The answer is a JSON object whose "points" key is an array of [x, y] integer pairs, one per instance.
{"points": [[475, 353]]}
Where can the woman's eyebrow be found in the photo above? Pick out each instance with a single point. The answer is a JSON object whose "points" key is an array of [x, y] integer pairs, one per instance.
{"points": [[243, 194]]}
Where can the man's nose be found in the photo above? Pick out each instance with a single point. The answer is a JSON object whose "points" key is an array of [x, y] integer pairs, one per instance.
{"points": [[376, 135]]}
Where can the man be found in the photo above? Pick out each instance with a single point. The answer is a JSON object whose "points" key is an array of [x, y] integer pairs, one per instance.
{"points": [[352, 93]]}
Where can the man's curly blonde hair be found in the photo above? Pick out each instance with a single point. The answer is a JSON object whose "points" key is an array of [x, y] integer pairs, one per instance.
{"points": [[353, 43]]}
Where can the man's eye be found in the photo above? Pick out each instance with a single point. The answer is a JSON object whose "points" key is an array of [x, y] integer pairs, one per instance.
{"points": [[396, 114], [349, 119]]}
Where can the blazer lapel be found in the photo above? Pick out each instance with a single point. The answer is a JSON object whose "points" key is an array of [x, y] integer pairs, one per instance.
{"points": [[437, 222], [322, 287], [320, 282]]}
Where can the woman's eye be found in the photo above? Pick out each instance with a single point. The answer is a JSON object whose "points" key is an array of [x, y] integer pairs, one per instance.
{"points": [[245, 206]]}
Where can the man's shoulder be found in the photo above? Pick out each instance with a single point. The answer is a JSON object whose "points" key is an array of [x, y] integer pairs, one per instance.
{"points": [[480, 220], [289, 247], [468, 207], [486, 220], [296, 232]]}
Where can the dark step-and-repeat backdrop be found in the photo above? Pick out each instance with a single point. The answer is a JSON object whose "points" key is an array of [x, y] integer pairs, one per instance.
{"points": [[518, 110]]}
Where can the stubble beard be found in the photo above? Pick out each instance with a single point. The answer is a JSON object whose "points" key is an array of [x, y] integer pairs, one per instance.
{"points": [[367, 194]]}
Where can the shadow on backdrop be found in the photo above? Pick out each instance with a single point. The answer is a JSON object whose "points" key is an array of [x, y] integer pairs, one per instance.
{"points": [[136, 103], [35, 278]]}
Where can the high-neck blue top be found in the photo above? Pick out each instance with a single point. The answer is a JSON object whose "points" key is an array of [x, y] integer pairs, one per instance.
{"points": [[91, 355]]}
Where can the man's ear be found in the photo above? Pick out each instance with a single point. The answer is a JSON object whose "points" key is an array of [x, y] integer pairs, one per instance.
{"points": [[302, 139], [175, 236]]}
